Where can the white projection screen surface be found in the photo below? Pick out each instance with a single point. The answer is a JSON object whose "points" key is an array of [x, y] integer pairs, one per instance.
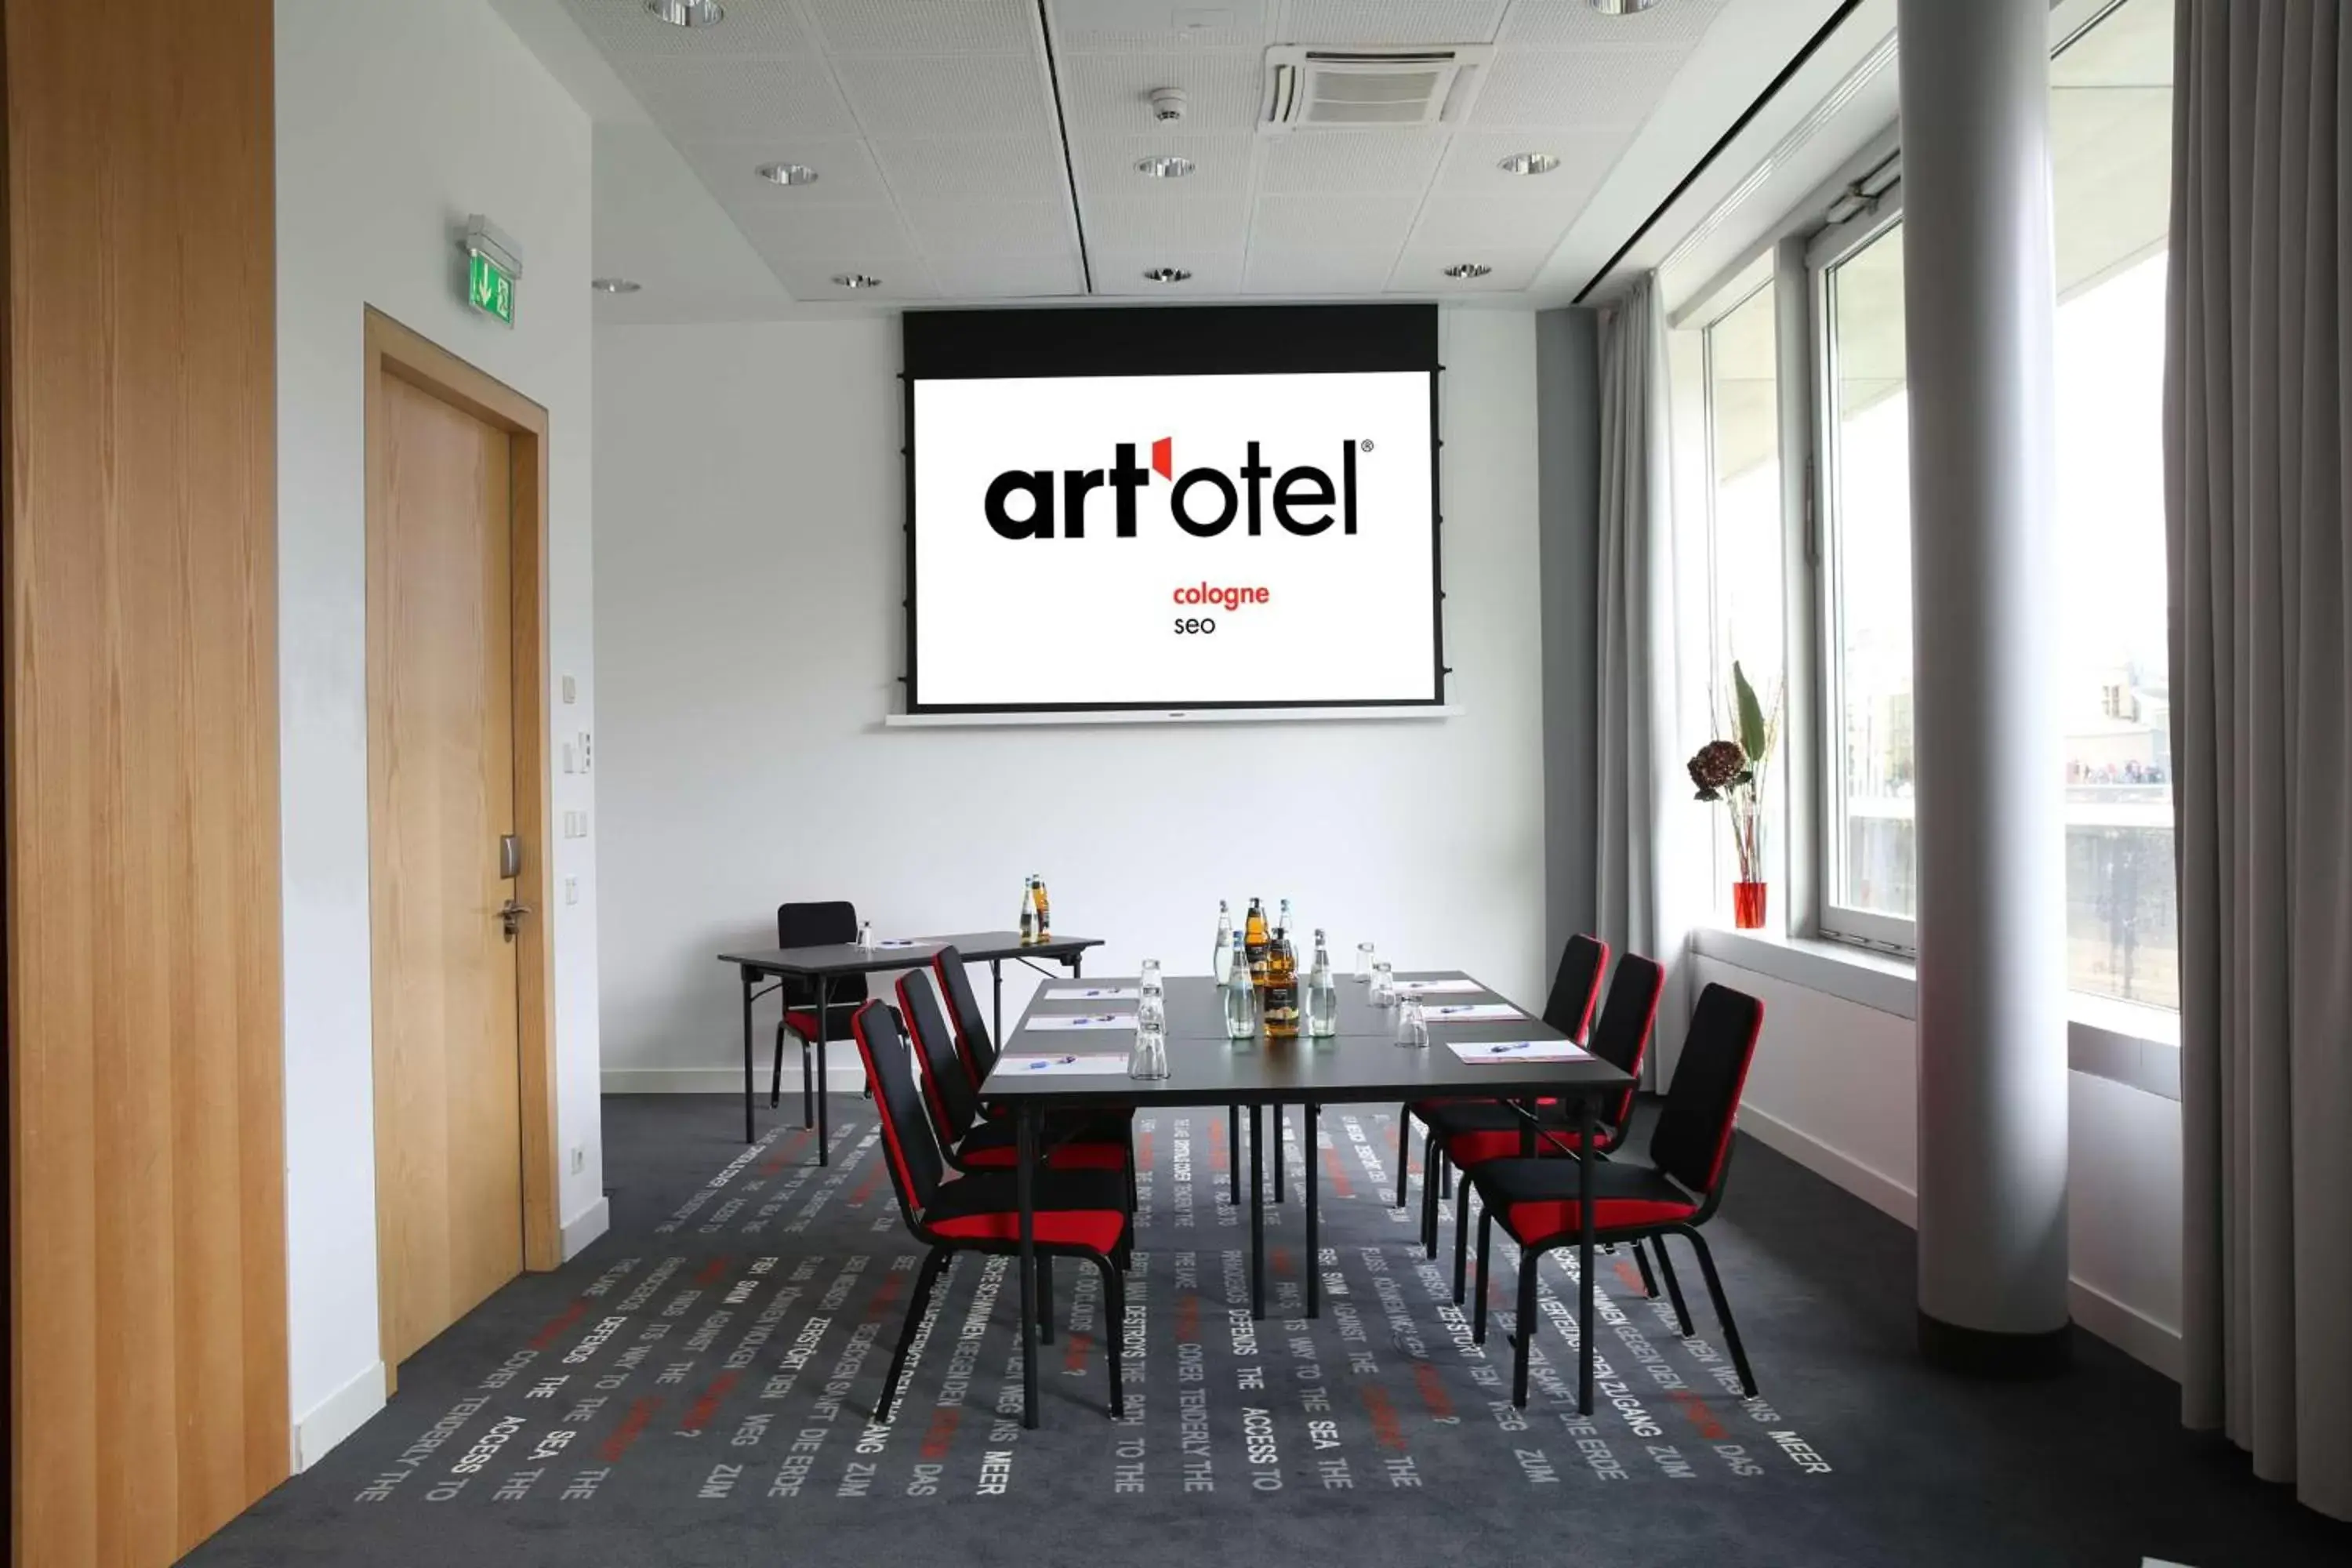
{"points": [[1199, 509]]}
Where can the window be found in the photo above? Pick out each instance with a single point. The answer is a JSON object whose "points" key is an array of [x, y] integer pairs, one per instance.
{"points": [[1869, 874], [1744, 522]]}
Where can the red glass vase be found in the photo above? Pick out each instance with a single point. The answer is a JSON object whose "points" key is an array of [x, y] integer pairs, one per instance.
{"points": [[1748, 905]]}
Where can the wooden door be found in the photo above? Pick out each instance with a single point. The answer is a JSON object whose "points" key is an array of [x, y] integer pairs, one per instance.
{"points": [[441, 793]]}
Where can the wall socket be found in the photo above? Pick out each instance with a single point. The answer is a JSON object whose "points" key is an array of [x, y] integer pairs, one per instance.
{"points": [[575, 825]]}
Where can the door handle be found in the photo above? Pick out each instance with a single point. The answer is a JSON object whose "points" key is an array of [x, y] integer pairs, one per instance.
{"points": [[511, 917], [509, 856]]}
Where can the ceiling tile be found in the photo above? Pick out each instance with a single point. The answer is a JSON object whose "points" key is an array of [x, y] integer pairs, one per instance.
{"points": [[813, 282], [1600, 87], [943, 230], [1371, 223], [1105, 164], [1473, 159], [867, 238], [844, 169], [1113, 92], [625, 27], [1565, 26], [1011, 277], [1342, 161], [1474, 225], [1396, 21], [1083, 25], [924, 27], [1154, 222], [1214, 271], [948, 95], [1421, 269], [960, 168], [1315, 270], [738, 98]]}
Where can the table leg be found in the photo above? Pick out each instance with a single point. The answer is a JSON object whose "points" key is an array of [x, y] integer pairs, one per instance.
{"points": [[1257, 1215], [1281, 1119], [1025, 1156], [1314, 1253], [823, 1031], [748, 1135], [1078, 964], [1584, 1159], [996, 1008]]}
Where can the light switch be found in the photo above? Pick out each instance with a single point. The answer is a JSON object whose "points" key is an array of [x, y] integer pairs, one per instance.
{"points": [[571, 691], [571, 889], [571, 758]]}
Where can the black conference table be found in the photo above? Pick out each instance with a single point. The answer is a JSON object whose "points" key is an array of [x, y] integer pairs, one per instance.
{"points": [[824, 965], [1360, 1064]]}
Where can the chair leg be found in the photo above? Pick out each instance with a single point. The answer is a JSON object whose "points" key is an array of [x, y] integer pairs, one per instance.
{"points": [[1523, 1333], [808, 1088], [887, 1407], [1649, 1280], [1461, 1235], [1722, 1310], [1434, 1169], [1673, 1285], [1405, 1148], [1114, 1332], [776, 1070], [1045, 1298], [1478, 1307]]}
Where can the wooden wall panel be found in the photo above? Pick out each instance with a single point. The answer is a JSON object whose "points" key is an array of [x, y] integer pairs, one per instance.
{"points": [[147, 1224]]}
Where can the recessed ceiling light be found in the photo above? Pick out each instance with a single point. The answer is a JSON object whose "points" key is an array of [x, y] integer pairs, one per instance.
{"points": [[1166, 274], [1529, 163], [1166, 168], [855, 280], [1622, 7], [615, 285], [687, 13], [1468, 270], [788, 173]]}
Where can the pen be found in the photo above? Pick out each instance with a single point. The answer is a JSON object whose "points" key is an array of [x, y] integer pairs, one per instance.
{"points": [[1051, 1061]]}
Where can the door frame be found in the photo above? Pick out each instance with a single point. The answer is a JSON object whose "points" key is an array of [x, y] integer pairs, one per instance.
{"points": [[398, 351]]}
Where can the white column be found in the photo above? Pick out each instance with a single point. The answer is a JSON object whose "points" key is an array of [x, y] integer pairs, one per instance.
{"points": [[1979, 319]]}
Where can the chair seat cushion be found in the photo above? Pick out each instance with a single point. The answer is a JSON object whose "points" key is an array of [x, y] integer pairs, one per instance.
{"points": [[1074, 1209], [1475, 1130], [992, 1145], [801, 1021], [1536, 1199]]}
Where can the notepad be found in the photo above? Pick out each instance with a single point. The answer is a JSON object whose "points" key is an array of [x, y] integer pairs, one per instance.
{"points": [[1082, 1021], [1518, 1051], [1092, 992], [1059, 1067], [900, 941], [1471, 1011], [1432, 987]]}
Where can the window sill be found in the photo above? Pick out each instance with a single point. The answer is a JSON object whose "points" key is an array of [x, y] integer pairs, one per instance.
{"points": [[2136, 1046]]}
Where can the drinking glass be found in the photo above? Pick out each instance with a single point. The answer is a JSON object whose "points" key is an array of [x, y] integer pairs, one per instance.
{"points": [[866, 936], [1148, 1059], [1384, 991], [1364, 956], [1411, 1023]]}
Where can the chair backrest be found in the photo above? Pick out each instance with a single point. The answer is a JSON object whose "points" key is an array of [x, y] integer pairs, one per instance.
{"points": [[1621, 1036], [916, 1165], [979, 1052], [1694, 1131], [820, 924], [1575, 984], [948, 1095]]}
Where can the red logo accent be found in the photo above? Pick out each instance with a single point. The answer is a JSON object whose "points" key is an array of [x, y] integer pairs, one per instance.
{"points": [[1163, 461]]}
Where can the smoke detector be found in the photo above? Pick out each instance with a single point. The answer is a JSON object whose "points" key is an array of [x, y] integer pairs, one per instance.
{"points": [[1310, 88], [1168, 103]]}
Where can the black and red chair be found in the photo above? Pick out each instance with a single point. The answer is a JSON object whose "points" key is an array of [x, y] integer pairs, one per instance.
{"points": [[1076, 1213], [1469, 1132], [819, 924], [978, 1053], [970, 1142], [1569, 1009], [1674, 1192]]}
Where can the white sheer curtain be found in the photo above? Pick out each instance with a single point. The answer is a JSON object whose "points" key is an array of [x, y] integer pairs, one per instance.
{"points": [[2257, 426], [1647, 821]]}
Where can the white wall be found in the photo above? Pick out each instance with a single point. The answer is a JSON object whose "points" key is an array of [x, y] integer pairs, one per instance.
{"points": [[750, 570], [394, 122], [1836, 1087]]}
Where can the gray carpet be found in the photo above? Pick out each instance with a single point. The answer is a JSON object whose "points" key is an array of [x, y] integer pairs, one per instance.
{"points": [[695, 1388]]}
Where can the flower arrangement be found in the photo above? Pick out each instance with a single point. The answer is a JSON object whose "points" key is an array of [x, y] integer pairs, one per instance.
{"points": [[1732, 771]]}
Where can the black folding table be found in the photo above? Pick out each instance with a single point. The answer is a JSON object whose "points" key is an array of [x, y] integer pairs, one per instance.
{"points": [[822, 966], [1362, 1063]]}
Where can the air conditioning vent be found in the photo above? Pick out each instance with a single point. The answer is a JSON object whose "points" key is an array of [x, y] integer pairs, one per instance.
{"points": [[1338, 89]]}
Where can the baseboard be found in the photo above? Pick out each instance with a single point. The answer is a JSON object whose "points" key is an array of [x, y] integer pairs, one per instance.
{"points": [[842, 1077], [338, 1416], [2127, 1327], [591, 1222], [1880, 1191]]}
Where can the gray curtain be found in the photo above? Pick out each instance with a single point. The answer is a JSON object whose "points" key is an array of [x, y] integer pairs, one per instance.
{"points": [[2257, 428], [1644, 825]]}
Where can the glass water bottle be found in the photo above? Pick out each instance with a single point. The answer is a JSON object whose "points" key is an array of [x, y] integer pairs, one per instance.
{"points": [[1221, 959], [1322, 995], [1241, 995]]}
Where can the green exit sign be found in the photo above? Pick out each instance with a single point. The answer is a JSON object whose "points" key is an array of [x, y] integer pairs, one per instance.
{"points": [[489, 288]]}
